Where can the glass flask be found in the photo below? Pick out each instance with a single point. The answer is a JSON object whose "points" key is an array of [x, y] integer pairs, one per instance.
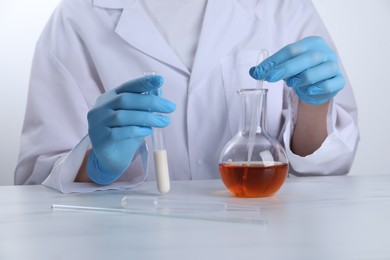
{"points": [[253, 163]]}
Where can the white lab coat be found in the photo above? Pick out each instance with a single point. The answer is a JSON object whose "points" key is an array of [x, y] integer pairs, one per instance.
{"points": [[89, 47]]}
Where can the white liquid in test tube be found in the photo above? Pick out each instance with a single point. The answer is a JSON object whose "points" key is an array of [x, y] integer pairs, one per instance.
{"points": [[161, 161]]}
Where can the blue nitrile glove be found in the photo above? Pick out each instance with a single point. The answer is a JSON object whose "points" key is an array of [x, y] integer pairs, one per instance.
{"points": [[119, 122], [309, 66]]}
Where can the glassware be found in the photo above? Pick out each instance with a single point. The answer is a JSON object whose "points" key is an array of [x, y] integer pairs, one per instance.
{"points": [[160, 152], [253, 163]]}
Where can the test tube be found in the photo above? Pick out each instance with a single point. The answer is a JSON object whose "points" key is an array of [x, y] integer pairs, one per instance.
{"points": [[160, 155]]}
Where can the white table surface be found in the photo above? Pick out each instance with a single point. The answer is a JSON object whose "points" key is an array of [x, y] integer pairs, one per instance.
{"points": [[344, 217]]}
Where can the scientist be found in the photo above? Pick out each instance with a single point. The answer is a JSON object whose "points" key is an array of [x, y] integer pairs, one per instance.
{"points": [[88, 124]]}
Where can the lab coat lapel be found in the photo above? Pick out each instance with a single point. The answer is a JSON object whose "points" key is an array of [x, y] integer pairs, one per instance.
{"points": [[136, 28], [225, 24]]}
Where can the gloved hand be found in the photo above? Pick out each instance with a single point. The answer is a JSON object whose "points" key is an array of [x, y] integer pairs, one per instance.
{"points": [[119, 122], [309, 66]]}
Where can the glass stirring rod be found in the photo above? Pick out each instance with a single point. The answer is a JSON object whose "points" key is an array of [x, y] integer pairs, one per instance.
{"points": [[184, 205], [160, 154], [255, 116], [263, 55]]}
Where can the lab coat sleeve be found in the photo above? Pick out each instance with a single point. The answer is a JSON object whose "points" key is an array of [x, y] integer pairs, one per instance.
{"points": [[336, 154], [63, 87], [67, 165]]}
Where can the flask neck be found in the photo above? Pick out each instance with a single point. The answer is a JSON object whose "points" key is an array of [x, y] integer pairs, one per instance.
{"points": [[253, 110]]}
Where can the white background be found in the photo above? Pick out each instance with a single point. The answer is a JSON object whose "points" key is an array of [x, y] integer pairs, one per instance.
{"points": [[360, 29]]}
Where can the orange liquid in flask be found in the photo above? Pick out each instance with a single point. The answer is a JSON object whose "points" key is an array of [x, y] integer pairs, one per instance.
{"points": [[254, 179]]}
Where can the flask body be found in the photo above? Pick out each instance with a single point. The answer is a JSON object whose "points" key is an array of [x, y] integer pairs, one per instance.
{"points": [[253, 163]]}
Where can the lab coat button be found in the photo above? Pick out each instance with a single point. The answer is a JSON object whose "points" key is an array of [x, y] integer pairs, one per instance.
{"points": [[200, 162]]}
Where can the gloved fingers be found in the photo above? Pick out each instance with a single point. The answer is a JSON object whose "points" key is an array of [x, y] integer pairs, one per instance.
{"points": [[141, 85], [131, 101], [297, 65], [258, 72], [121, 118], [288, 52], [128, 132], [106, 136], [322, 91], [313, 75]]}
